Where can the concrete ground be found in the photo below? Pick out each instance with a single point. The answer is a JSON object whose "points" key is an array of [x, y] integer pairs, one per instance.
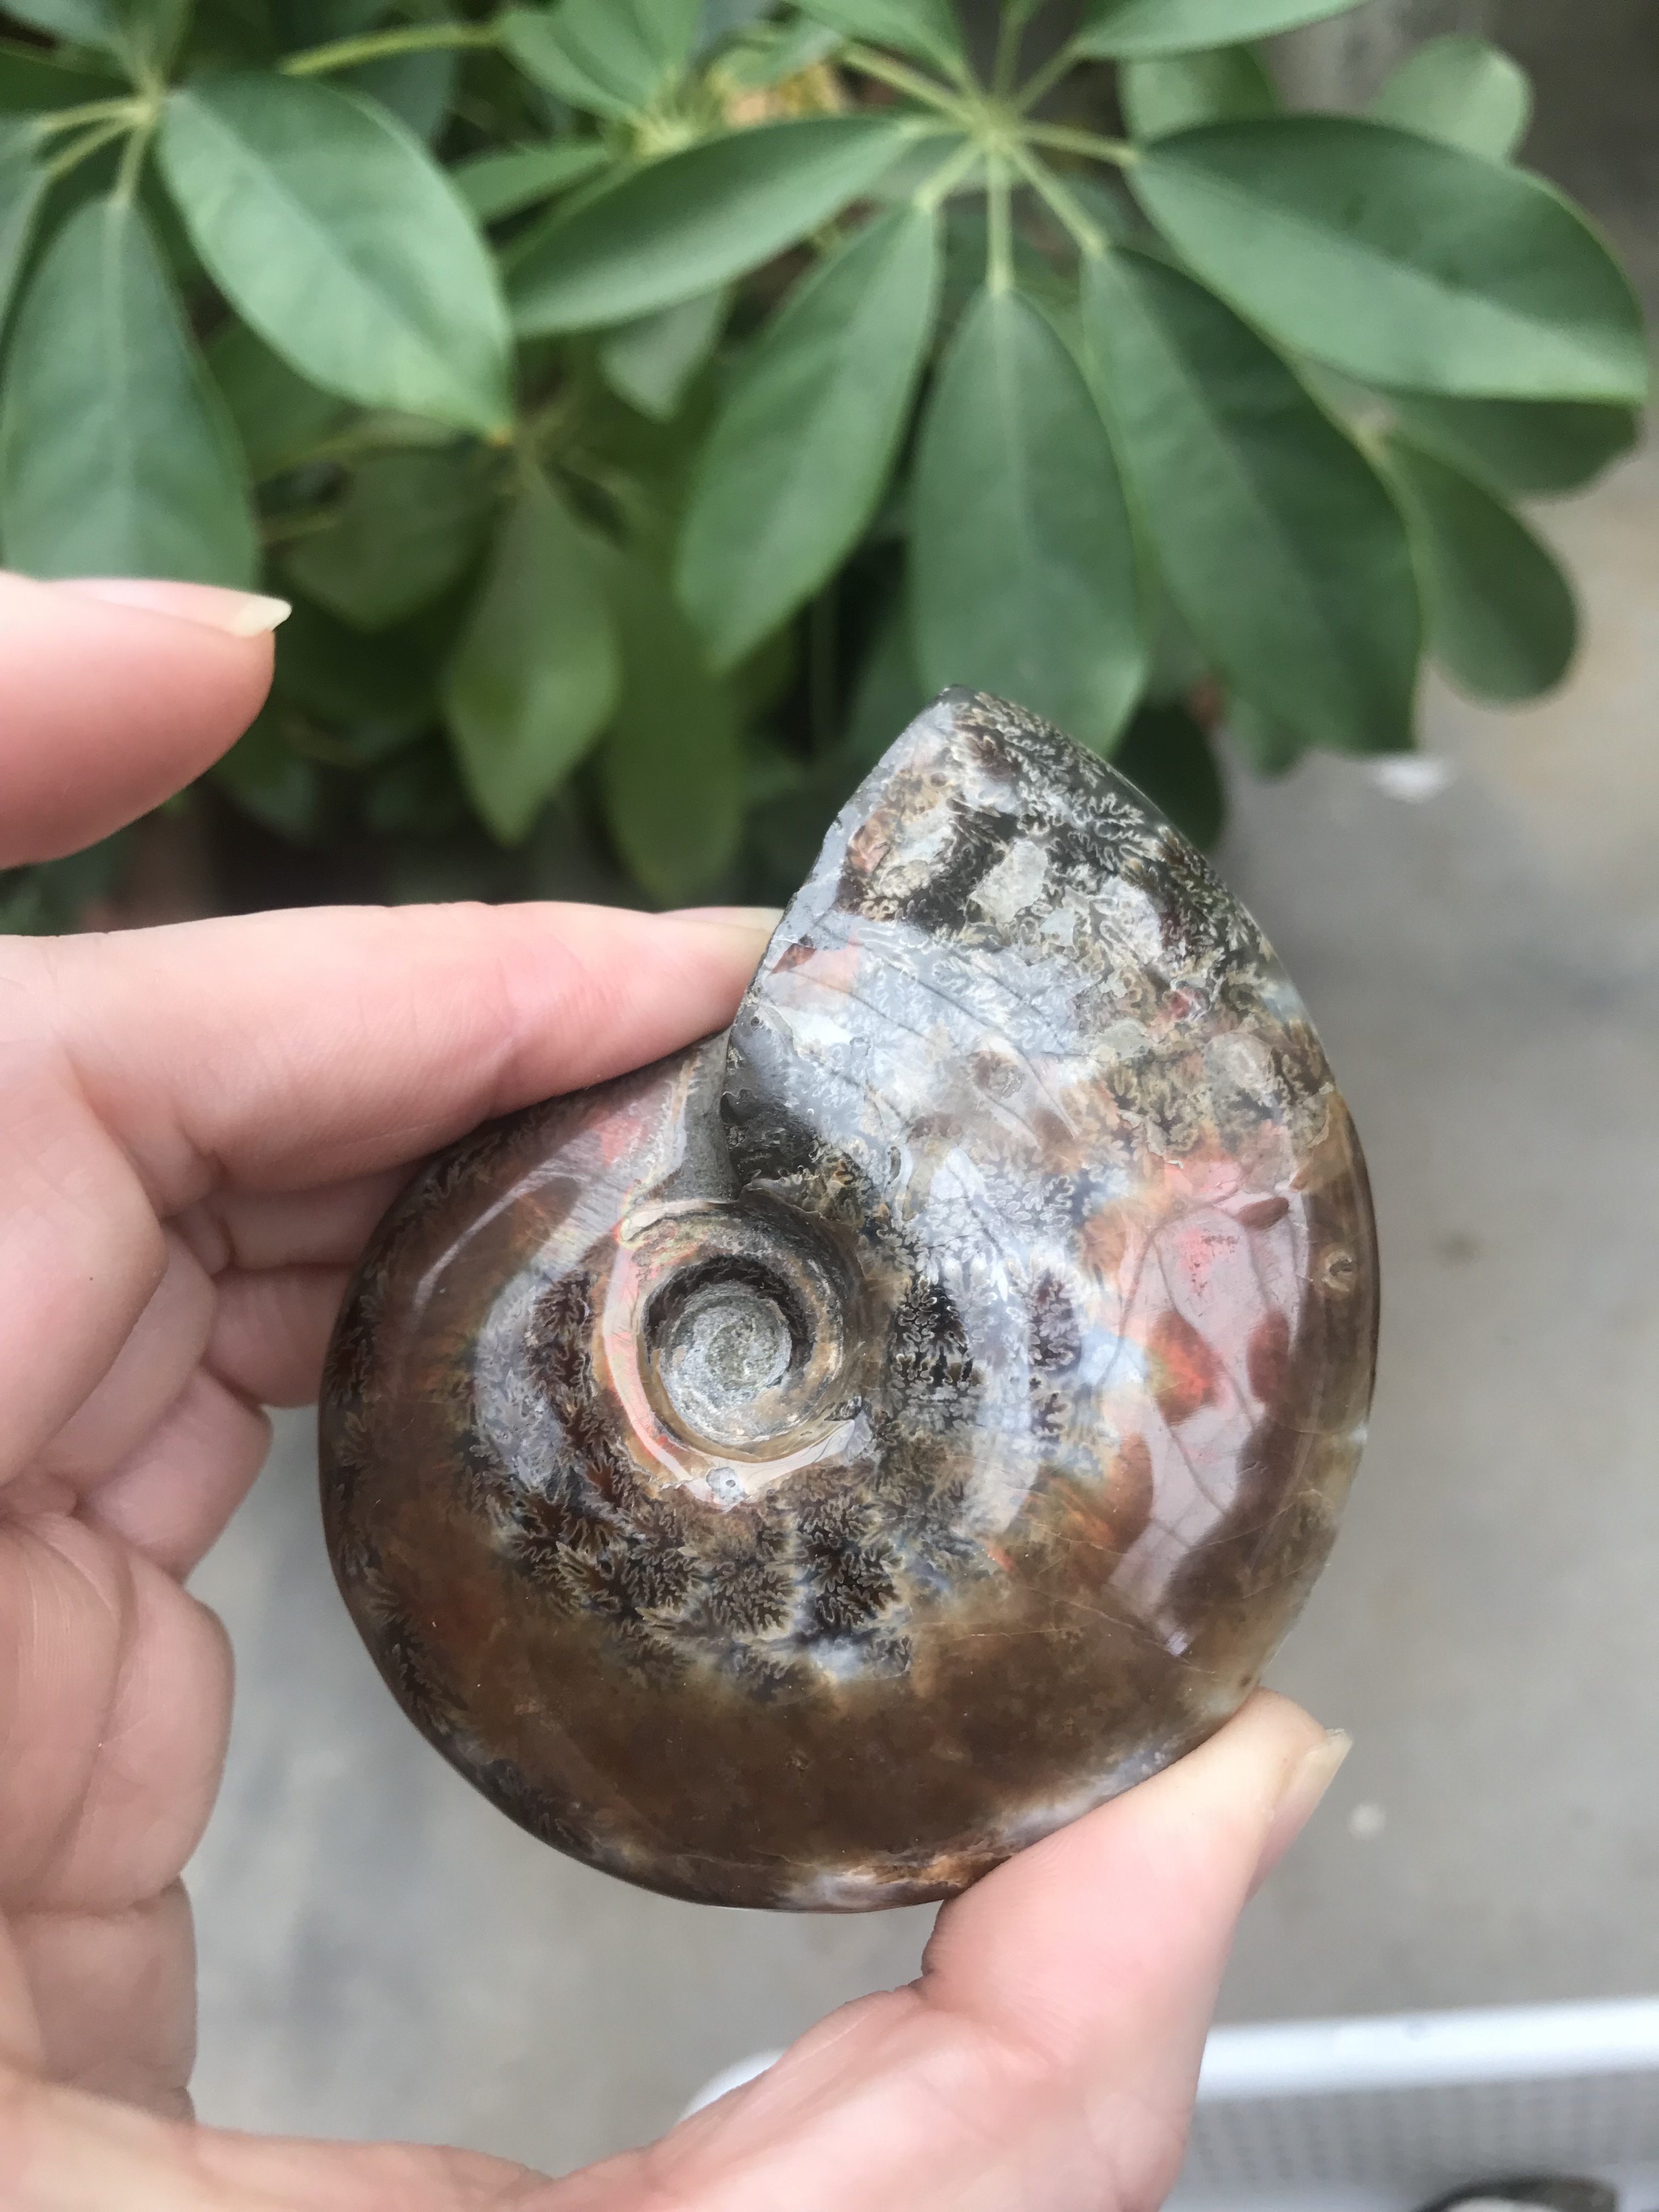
{"points": [[382, 1953]]}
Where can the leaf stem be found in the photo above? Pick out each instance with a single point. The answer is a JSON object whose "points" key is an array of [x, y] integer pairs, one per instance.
{"points": [[537, 429], [132, 160], [1045, 79], [1009, 32], [94, 111], [302, 522], [412, 38], [885, 71], [73, 155], [1066, 140], [945, 179], [999, 228], [1088, 236]]}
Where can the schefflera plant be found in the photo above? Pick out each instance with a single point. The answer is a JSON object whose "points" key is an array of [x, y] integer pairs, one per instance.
{"points": [[648, 402]]}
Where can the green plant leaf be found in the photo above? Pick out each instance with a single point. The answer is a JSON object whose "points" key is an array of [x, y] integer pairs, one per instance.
{"points": [[117, 457], [613, 58], [52, 897], [419, 796], [1123, 29], [1176, 662], [1518, 445], [409, 524], [146, 32], [772, 52], [1397, 260], [1023, 566], [329, 228], [301, 23], [721, 18], [32, 82], [281, 418], [152, 31], [22, 187], [1166, 754], [1461, 91], [799, 458], [1268, 749], [695, 220], [498, 185], [1275, 539], [763, 679], [1174, 92], [926, 28], [379, 689], [81, 22], [272, 783], [889, 693], [534, 677], [418, 87], [1501, 618], [650, 363], [671, 769]]}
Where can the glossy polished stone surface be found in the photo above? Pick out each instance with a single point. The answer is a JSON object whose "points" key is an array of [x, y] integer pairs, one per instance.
{"points": [[801, 1472]]}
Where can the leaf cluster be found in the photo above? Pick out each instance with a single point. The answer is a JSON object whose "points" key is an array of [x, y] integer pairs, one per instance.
{"points": [[646, 403]]}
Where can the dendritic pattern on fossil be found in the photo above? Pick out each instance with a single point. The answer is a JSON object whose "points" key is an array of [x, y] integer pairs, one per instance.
{"points": [[805, 1471]]}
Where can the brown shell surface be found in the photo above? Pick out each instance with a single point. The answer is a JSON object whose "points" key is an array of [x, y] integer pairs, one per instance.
{"points": [[1021, 1196]]}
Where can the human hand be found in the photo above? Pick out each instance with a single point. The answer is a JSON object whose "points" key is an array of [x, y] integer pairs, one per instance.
{"points": [[198, 1127]]}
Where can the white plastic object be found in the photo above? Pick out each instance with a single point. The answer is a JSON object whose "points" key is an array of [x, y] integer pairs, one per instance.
{"points": [[1384, 2115], [729, 2078]]}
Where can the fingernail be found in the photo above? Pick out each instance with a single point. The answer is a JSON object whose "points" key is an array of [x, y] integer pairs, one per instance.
{"points": [[256, 616], [1299, 1798], [733, 917], [239, 614]]}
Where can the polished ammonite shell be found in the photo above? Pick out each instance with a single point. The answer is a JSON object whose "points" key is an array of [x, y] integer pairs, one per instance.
{"points": [[805, 1471]]}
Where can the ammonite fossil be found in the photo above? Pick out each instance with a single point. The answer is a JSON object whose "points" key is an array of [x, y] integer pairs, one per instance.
{"points": [[805, 1471]]}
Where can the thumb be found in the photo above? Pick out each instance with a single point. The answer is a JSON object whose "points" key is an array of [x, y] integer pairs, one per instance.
{"points": [[1104, 1946], [1046, 2059]]}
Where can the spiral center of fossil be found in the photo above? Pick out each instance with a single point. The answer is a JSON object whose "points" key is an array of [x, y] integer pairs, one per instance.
{"points": [[731, 1322], [727, 1348], [727, 1344]]}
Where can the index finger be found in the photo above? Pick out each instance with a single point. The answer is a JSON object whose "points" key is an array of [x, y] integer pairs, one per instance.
{"points": [[114, 694], [283, 1051]]}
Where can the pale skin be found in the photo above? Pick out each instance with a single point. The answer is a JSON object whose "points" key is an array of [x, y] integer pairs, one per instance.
{"points": [[198, 1127]]}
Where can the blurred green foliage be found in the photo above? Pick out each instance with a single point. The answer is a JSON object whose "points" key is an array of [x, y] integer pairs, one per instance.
{"points": [[648, 403]]}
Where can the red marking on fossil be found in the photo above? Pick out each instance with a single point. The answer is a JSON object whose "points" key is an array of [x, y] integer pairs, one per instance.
{"points": [[1185, 1371], [1269, 1356]]}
